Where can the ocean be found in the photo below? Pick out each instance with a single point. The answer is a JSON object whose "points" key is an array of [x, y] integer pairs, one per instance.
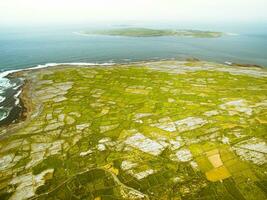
{"points": [[25, 47]]}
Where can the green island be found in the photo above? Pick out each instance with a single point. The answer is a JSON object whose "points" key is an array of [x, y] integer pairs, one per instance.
{"points": [[146, 32], [150, 130]]}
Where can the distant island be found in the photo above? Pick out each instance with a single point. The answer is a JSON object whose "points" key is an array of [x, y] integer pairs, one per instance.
{"points": [[147, 32]]}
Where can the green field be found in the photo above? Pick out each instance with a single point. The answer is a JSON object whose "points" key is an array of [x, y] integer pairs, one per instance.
{"points": [[146, 32], [156, 130]]}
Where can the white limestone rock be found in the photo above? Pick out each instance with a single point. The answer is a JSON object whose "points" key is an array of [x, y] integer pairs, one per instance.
{"points": [[145, 144], [253, 150], [189, 123], [184, 155], [6, 161], [81, 127], [108, 128], [53, 126], [59, 99], [127, 165], [166, 126], [211, 113], [69, 120], [27, 184], [85, 153], [101, 147], [175, 144], [142, 115], [237, 106], [143, 174]]}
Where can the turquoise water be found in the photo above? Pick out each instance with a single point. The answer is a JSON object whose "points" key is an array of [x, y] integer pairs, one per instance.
{"points": [[28, 47]]}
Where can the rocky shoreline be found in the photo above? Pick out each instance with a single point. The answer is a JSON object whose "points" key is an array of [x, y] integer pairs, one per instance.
{"points": [[22, 114]]}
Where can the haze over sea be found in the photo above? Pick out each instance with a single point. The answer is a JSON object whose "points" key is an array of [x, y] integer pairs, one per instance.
{"points": [[24, 47]]}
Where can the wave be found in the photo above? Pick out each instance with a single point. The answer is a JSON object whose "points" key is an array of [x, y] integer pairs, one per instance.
{"points": [[16, 96], [2, 99], [4, 112], [5, 83], [6, 73]]}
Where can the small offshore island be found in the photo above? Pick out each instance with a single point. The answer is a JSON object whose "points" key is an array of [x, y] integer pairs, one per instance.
{"points": [[147, 130], [146, 32]]}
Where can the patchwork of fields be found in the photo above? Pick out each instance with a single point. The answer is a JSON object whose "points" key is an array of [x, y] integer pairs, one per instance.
{"points": [[154, 130]]}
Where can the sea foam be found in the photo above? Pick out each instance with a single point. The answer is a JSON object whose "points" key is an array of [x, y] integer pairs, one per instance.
{"points": [[5, 73]]}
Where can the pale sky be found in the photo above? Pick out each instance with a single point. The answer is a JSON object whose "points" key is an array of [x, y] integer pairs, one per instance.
{"points": [[84, 11]]}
